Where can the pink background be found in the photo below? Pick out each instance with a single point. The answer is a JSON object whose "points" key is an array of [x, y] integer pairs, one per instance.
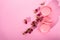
{"points": [[12, 13]]}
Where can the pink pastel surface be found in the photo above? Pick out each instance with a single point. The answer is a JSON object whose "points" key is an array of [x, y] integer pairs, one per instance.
{"points": [[12, 13]]}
